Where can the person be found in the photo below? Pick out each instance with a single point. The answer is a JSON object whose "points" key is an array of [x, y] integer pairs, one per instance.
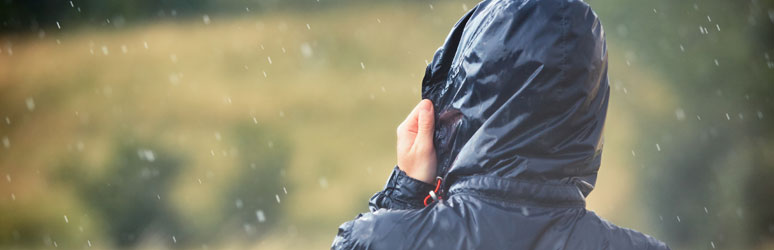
{"points": [[506, 144]]}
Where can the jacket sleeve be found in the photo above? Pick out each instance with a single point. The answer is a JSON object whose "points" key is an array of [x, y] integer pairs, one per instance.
{"points": [[400, 192]]}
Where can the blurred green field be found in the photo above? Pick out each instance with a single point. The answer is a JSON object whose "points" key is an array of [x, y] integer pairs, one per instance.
{"points": [[198, 124]]}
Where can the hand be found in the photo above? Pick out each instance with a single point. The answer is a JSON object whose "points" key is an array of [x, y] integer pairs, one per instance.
{"points": [[416, 153]]}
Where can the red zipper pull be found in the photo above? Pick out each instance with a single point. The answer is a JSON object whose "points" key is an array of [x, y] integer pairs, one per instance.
{"points": [[434, 194]]}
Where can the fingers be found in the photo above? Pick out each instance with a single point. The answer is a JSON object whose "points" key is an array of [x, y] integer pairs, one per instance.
{"points": [[416, 153], [410, 124], [407, 130], [425, 124]]}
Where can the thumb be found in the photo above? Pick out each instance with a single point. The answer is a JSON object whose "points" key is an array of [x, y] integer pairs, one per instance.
{"points": [[426, 123]]}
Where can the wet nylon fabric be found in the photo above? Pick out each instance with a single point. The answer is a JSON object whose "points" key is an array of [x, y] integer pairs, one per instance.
{"points": [[520, 91]]}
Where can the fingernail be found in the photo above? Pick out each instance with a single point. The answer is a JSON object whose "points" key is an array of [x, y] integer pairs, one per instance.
{"points": [[427, 105]]}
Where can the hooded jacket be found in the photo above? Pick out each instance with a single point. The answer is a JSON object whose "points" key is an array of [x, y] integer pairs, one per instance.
{"points": [[520, 90]]}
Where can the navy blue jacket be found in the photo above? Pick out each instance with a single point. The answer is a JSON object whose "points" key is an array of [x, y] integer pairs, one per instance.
{"points": [[520, 91]]}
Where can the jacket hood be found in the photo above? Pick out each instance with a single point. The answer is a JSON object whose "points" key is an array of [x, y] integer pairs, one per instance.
{"points": [[521, 93]]}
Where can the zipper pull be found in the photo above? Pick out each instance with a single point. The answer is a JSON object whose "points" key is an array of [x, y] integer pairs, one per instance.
{"points": [[435, 195]]}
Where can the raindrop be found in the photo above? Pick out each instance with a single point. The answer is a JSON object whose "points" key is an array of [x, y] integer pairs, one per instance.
{"points": [[124, 49], [712, 243], [717, 63], [174, 240], [66, 219], [105, 50], [658, 147], [680, 114], [174, 79], [268, 58], [378, 20], [146, 154], [145, 44], [206, 19], [728, 117], [13, 196], [309, 27], [278, 198], [678, 218], [323, 182], [89, 241], [760, 115], [239, 204], [259, 214], [285, 190], [362, 65], [306, 50], [682, 48], [524, 211], [633, 154], [7, 142], [217, 136], [30, 103], [58, 25], [706, 211]]}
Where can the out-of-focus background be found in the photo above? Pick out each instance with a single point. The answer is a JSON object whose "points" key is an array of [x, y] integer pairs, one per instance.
{"points": [[264, 124]]}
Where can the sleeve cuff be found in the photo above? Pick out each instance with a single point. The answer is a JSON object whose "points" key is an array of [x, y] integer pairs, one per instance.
{"points": [[401, 192]]}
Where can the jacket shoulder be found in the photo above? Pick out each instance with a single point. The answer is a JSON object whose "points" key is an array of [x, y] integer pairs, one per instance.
{"points": [[380, 229], [615, 237]]}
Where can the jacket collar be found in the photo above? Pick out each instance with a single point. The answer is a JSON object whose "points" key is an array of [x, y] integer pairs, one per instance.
{"points": [[519, 191]]}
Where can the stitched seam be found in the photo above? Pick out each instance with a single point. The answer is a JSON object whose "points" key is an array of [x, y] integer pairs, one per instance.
{"points": [[565, 34], [481, 195], [466, 178]]}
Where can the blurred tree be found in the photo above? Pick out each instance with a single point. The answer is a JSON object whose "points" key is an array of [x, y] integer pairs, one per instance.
{"points": [[36, 15], [127, 194], [709, 185], [254, 204]]}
